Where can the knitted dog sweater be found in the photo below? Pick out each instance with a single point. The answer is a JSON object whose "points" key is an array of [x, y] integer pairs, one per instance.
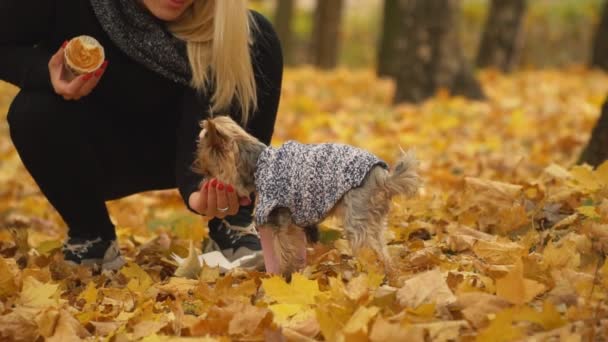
{"points": [[308, 179]]}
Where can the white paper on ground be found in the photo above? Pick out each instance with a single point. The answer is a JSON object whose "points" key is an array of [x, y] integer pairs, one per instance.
{"points": [[217, 259]]}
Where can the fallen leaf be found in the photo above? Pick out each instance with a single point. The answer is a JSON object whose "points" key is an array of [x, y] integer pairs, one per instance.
{"points": [[190, 267], [426, 287], [498, 253], [300, 291], [8, 284], [357, 327], [139, 280], [382, 331], [19, 325], [515, 288], [477, 306], [38, 295], [68, 329]]}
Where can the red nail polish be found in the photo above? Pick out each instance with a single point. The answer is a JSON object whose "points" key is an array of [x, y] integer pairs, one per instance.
{"points": [[104, 65], [65, 43], [98, 72], [220, 186], [206, 186], [88, 76], [229, 188], [213, 183]]}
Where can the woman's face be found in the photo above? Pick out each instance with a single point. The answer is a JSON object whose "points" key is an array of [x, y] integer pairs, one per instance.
{"points": [[167, 10]]}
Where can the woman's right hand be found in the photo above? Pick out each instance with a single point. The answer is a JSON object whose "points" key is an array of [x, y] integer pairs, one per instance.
{"points": [[78, 87], [215, 199]]}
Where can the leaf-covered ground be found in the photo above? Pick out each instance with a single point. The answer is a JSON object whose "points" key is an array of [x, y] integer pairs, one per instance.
{"points": [[506, 240]]}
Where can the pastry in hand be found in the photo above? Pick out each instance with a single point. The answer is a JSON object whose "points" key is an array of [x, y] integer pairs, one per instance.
{"points": [[83, 55]]}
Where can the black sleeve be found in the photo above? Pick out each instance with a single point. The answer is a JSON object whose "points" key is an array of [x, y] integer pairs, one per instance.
{"points": [[267, 62], [23, 25]]}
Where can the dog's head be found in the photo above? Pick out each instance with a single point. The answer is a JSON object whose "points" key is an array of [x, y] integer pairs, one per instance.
{"points": [[227, 152]]}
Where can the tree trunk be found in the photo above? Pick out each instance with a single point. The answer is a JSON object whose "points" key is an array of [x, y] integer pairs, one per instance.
{"points": [[387, 55], [501, 38], [326, 33], [596, 151], [600, 43], [429, 49], [283, 18]]}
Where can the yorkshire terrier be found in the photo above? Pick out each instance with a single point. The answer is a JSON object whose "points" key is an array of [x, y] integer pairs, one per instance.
{"points": [[299, 185]]}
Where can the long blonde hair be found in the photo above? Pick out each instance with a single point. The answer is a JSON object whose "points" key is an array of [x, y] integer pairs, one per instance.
{"points": [[218, 36]]}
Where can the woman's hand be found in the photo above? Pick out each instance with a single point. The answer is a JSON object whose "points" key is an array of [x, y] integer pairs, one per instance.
{"points": [[216, 199], [78, 87]]}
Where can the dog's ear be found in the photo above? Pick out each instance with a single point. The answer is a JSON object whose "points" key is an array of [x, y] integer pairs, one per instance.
{"points": [[211, 134]]}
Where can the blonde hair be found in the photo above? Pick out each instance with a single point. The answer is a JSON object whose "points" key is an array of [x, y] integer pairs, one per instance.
{"points": [[218, 36]]}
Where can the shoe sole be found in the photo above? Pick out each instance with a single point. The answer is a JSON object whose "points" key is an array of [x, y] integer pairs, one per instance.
{"points": [[111, 265]]}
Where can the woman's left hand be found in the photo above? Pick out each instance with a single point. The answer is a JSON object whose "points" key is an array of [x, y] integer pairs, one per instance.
{"points": [[216, 199]]}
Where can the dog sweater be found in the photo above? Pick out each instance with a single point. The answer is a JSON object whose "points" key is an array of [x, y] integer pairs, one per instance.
{"points": [[308, 179]]}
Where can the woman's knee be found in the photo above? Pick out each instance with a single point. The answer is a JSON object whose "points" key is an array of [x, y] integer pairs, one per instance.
{"points": [[35, 116]]}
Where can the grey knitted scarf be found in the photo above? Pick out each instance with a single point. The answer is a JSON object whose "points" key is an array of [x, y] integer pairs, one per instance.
{"points": [[144, 38]]}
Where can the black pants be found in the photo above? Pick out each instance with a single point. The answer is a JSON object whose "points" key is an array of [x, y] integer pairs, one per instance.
{"points": [[81, 156]]}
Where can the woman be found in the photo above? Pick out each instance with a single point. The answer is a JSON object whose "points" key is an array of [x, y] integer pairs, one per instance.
{"points": [[132, 125]]}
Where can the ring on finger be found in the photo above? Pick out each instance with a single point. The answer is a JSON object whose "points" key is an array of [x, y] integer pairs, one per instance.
{"points": [[223, 210]]}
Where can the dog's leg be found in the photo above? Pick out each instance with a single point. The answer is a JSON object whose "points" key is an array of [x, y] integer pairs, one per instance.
{"points": [[288, 242], [292, 242], [271, 259], [365, 210]]}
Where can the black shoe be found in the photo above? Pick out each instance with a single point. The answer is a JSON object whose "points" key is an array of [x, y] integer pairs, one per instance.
{"points": [[236, 242], [97, 252]]}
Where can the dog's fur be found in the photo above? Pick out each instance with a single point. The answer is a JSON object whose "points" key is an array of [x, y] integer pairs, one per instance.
{"points": [[227, 152]]}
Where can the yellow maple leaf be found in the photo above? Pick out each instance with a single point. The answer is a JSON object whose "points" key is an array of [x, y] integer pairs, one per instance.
{"points": [[517, 289], [301, 290], [604, 273], [68, 329], [562, 254], [357, 327], [89, 294], [37, 294], [589, 211], [283, 312], [139, 280], [332, 317], [8, 285], [585, 179], [549, 317], [501, 328]]}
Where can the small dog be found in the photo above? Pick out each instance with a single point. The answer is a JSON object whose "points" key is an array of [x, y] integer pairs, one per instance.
{"points": [[298, 185]]}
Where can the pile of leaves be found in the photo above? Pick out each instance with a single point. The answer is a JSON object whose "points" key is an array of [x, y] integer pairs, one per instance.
{"points": [[506, 240]]}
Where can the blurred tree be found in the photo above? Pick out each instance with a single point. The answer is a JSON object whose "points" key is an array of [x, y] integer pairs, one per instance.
{"points": [[428, 47], [502, 34], [326, 33], [283, 18], [387, 54], [600, 43], [596, 150]]}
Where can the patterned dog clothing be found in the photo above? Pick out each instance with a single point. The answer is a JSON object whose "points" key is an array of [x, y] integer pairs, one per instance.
{"points": [[308, 179]]}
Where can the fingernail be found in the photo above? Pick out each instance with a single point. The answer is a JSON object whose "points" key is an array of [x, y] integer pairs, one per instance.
{"points": [[206, 186], [65, 43], [220, 186], [229, 188], [88, 76], [98, 72], [213, 183], [104, 64]]}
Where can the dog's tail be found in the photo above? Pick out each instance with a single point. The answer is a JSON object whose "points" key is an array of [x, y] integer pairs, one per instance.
{"points": [[404, 178]]}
